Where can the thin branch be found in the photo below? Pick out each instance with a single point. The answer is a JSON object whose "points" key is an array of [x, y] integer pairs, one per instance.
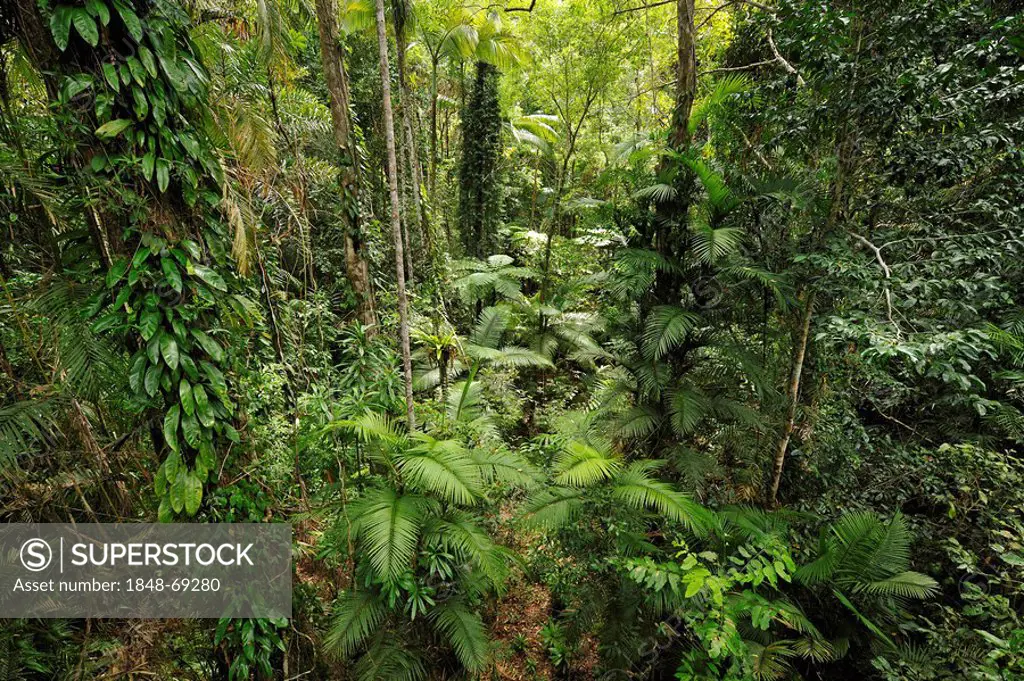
{"points": [[888, 275], [785, 64], [745, 67], [750, 145], [522, 9], [640, 7], [718, 9]]}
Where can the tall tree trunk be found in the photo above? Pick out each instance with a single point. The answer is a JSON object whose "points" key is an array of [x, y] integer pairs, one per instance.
{"points": [[479, 204], [396, 222], [348, 161], [410, 128], [686, 75], [793, 394], [433, 129], [669, 241]]}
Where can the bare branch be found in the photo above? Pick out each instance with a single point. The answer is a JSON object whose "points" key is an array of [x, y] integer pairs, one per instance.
{"points": [[522, 9], [785, 64], [888, 275], [745, 67], [640, 7]]}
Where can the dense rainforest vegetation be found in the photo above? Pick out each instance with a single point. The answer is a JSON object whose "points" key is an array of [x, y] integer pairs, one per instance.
{"points": [[576, 339]]}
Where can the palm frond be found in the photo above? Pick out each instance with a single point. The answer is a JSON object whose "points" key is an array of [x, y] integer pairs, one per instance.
{"points": [[441, 467], [490, 326], [388, 526], [667, 326], [580, 465], [357, 614], [553, 507], [637, 489], [464, 631]]}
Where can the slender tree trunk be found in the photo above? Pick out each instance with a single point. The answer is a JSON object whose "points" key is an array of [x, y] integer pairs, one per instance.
{"points": [[410, 129], [348, 161], [405, 195], [396, 223], [686, 75], [793, 394], [433, 129]]}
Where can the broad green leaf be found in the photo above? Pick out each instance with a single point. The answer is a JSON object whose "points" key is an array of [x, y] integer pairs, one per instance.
{"points": [[164, 514], [163, 174], [130, 19], [116, 271], [179, 490], [110, 74], [146, 57], [86, 26], [98, 9], [60, 26], [210, 276], [171, 427], [212, 347], [149, 322], [152, 382], [203, 409], [190, 428], [172, 273], [207, 456], [148, 164], [112, 129], [169, 350], [185, 397], [138, 372], [193, 493]]}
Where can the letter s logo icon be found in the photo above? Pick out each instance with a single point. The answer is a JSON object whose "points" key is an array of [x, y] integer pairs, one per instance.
{"points": [[36, 555]]}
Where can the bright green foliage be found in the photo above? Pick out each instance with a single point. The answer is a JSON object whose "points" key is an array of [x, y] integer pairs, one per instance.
{"points": [[635, 306]]}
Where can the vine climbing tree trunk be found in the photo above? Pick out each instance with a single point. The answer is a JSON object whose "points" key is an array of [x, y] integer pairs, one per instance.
{"points": [[336, 78], [793, 395], [396, 222]]}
